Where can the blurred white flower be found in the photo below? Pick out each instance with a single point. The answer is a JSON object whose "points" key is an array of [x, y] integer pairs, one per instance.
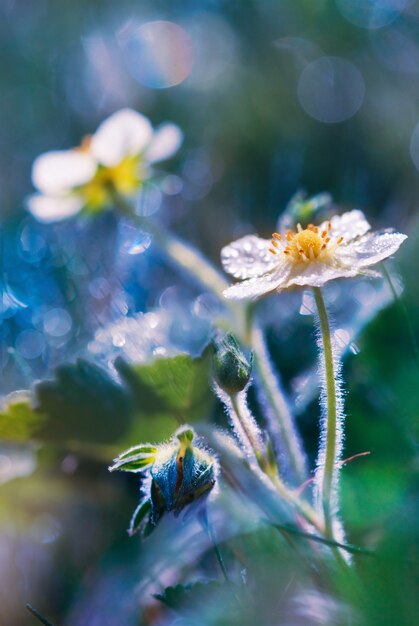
{"points": [[115, 160], [341, 247]]}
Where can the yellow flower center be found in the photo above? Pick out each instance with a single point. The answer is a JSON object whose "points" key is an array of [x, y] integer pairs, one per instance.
{"points": [[306, 245], [124, 178]]}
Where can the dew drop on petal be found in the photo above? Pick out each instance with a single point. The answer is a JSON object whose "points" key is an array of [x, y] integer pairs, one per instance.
{"points": [[331, 89]]}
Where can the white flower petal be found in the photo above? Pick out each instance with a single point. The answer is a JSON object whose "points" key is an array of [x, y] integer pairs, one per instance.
{"points": [[350, 225], [165, 142], [54, 208], [248, 257], [59, 171], [316, 274], [259, 285], [371, 249], [125, 133]]}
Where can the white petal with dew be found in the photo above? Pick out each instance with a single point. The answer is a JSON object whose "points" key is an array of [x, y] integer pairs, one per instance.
{"points": [[371, 249], [350, 225], [259, 285], [125, 133], [317, 274], [248, 257], [165, 143], [54, 208], [59, 171]]}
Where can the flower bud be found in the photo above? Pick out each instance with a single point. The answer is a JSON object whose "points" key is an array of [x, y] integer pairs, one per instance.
{"points": [[181, 472], [303, 210], [231, 368]]}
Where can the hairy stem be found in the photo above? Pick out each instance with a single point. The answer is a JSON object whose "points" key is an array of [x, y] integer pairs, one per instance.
{"points": [[331, 449], [245, 427], [247, 423]]}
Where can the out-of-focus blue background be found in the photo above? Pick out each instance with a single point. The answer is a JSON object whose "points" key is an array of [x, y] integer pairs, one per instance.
{"points": [[273, 96]]}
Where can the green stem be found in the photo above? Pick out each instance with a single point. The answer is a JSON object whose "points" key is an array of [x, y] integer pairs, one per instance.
{"points": [[247, 428], [285, 492], [284, 420], [191, 260], [331, 451]]}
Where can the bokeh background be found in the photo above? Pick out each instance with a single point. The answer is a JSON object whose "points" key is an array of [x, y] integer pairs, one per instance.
{"points": [[274, 97]]}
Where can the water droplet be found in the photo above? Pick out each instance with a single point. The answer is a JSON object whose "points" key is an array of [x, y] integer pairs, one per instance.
{"points": [[57, 322], [118, 340], [30, 344], [9, 302], [307, 304], [206, 306], [141, 244], [342, 337]]}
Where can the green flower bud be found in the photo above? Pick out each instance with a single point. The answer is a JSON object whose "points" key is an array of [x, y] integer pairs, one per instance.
{"points": [[302, 210], [180, 472], [231, 368]]}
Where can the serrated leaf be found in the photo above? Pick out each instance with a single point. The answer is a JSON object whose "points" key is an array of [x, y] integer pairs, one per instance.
{"points": [[177, 386], [19, 421], [83, 403]]}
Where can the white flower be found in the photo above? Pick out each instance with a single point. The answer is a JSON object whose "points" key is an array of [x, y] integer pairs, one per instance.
{"points": [[116, 159], [341, 247]]}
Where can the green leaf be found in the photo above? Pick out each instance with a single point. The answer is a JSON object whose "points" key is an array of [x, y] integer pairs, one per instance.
{"points": [[83, 403], [140, 520], [135, 459], [177, 386], [19, 421]]}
